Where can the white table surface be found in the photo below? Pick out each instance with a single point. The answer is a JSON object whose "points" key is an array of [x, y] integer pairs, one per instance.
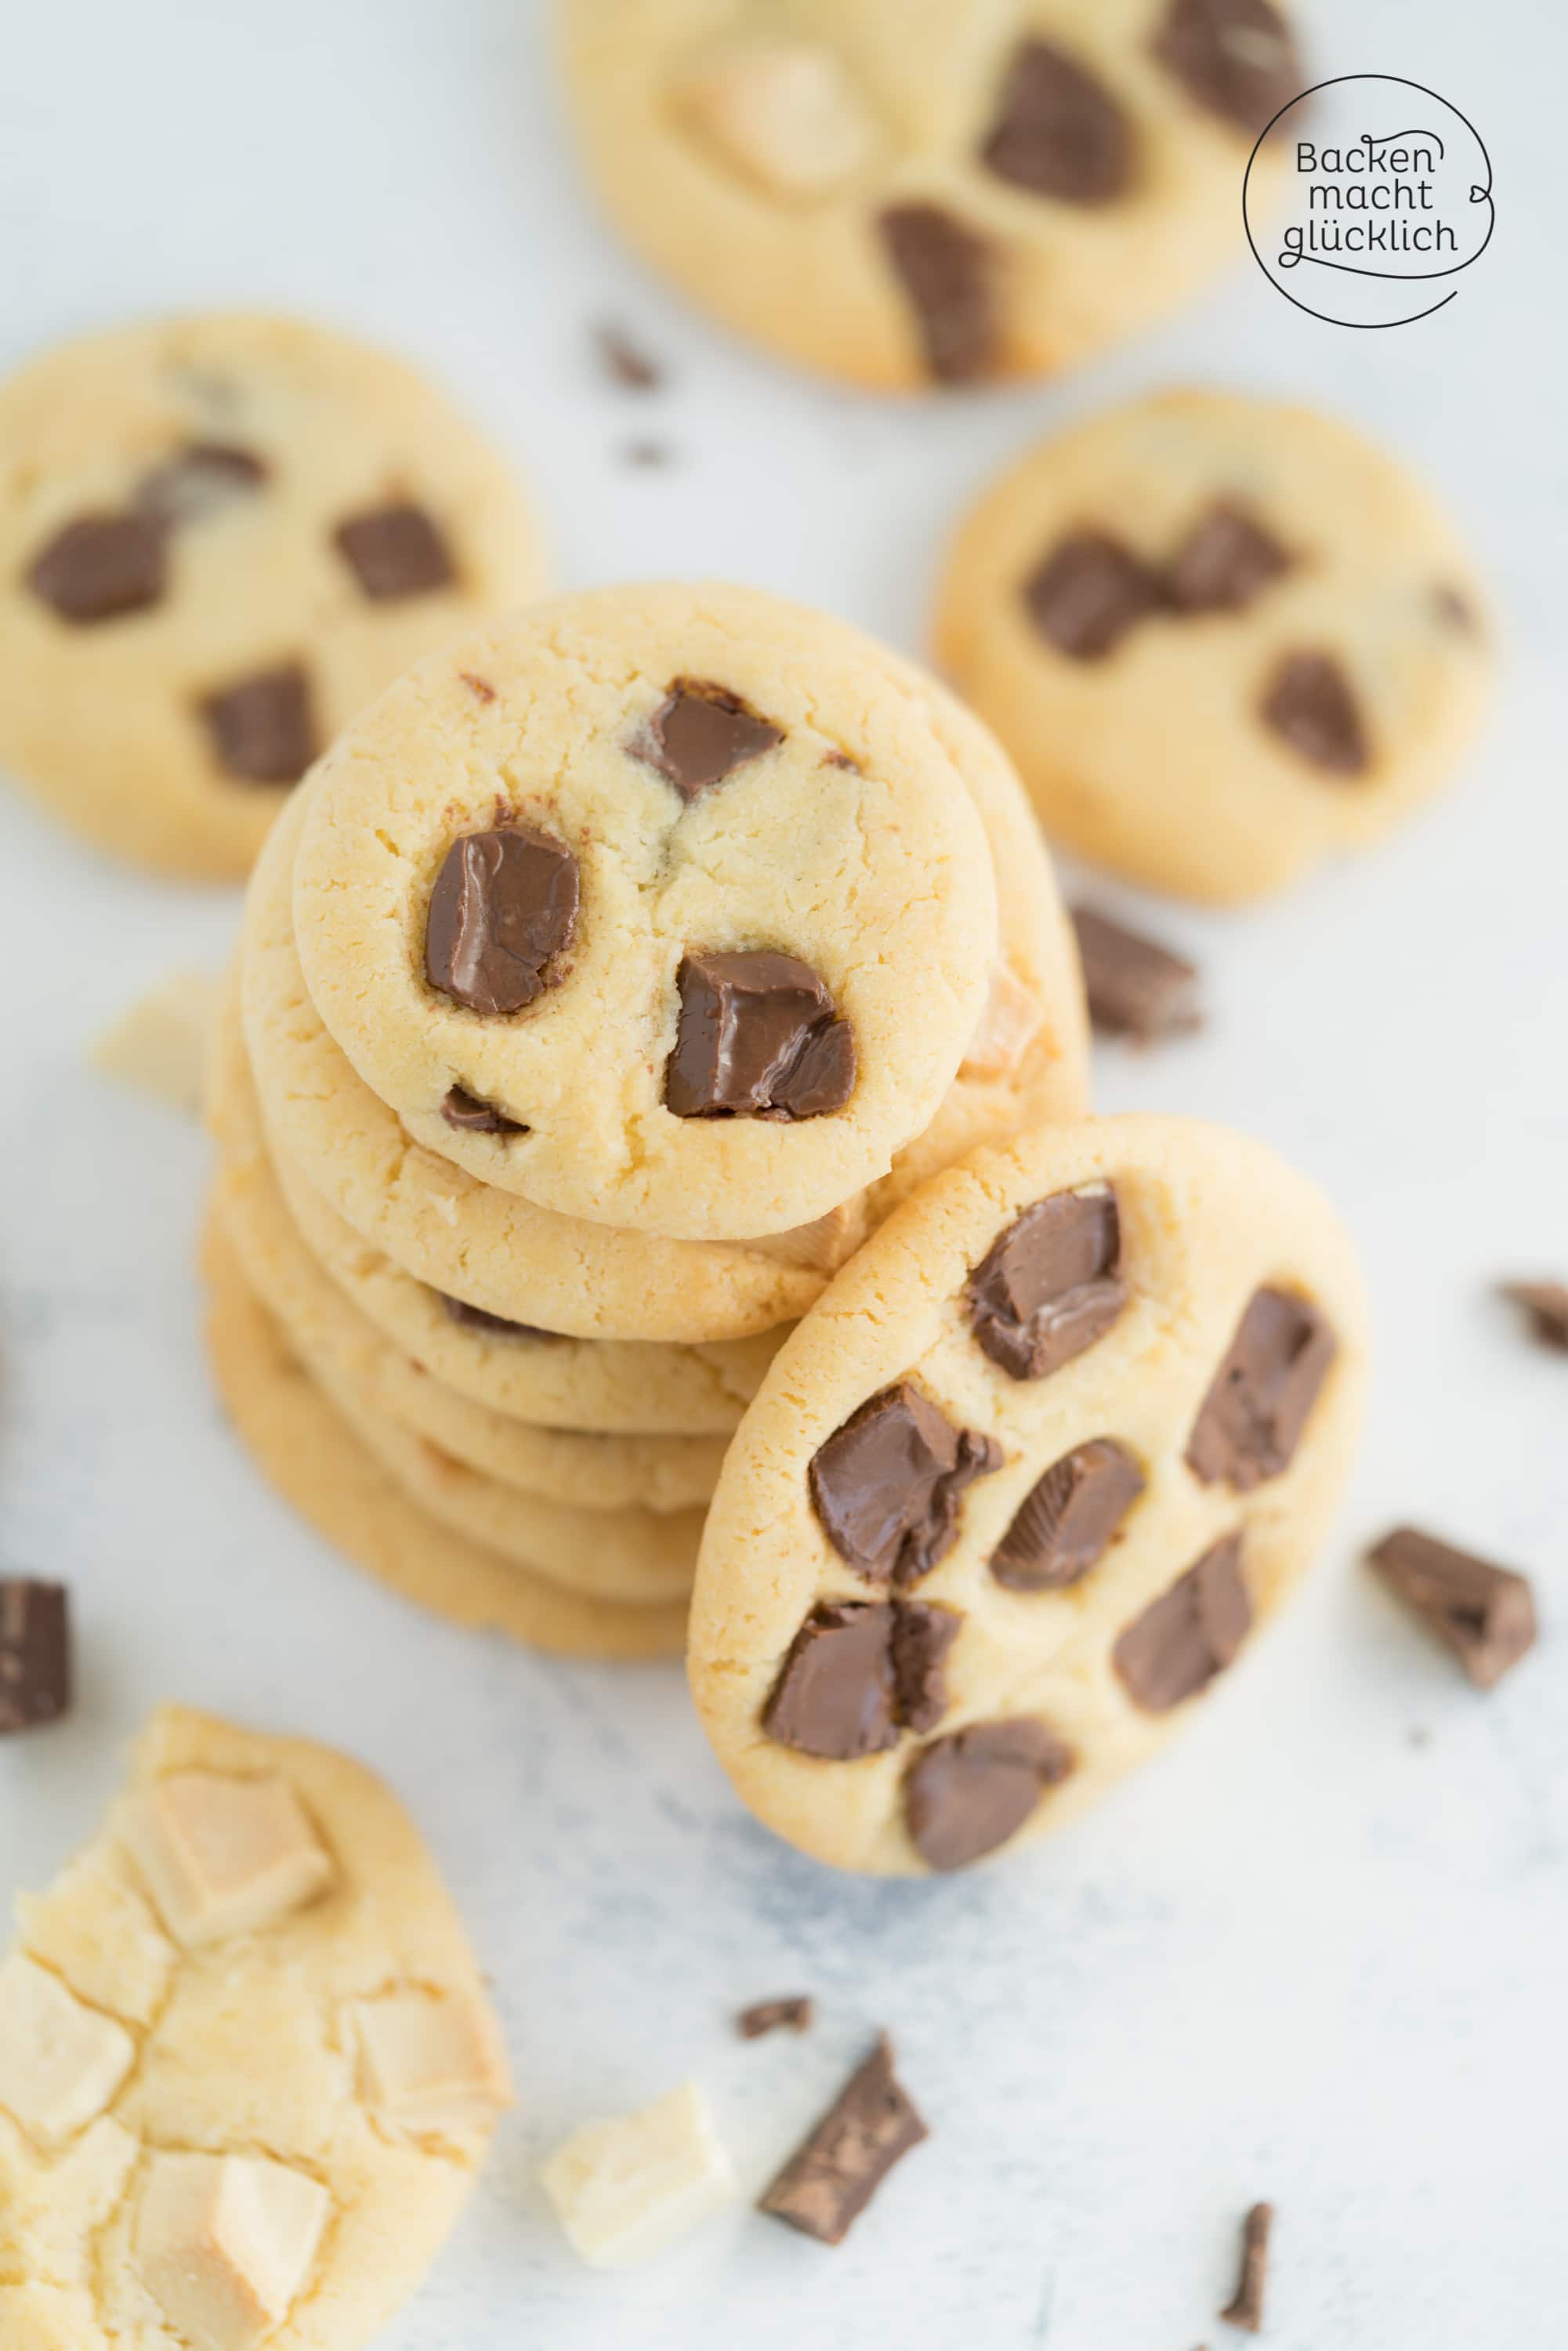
{"points": [[1317, 1953]]}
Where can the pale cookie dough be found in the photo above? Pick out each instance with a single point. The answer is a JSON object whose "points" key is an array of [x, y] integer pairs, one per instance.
{"points": [[159, 1046], [1222, 637], [592, 1471], [248, 2068], [316, 1461], [220, 537], [628, 1557], [1064, 1434], [682, 925], [946, 194]]}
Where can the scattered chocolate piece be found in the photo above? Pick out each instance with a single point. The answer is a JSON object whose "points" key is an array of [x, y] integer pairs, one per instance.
{"points": [[946, 271], [1546, 1303], [967, 1794], [1234, 57], [503, 908], [1058, 130], [469, 1115], [886, 1486], [701, 732], [1088, 592], [1136, 988], [757, 1037], [831, 2178], [1250, 1422], [261, 726], [795, 2013], [481, 686], [648, 454], [198, 479], [625, 363], [1069, 1519], [493, 1326], [859, 1672], [1309, 706], [1245, 2308], [394, 552], [1226, 560], [1188, 1634], [1050, 1284], [35, 1653], [101, 567], [1485, 1614], [1455, 609]]}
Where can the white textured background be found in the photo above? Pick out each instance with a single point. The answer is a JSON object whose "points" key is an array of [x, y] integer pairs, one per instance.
{"points": [[1319, 1953]]}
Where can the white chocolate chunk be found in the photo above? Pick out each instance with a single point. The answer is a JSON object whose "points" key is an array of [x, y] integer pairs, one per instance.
{"points": [[159, 1045], [60, 2061], [626, 2189], [225, 1856], [225, 2242], [429, 2063], [824, 1244], [1007, 1028], [783, 113]]}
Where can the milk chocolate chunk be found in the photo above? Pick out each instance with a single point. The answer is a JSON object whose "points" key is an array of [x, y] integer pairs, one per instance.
{"points": [[1136, 988], [493, 1326], [886, 1486], [1234, 59], [1050, 1284], [1188, 1634], [1309, 706], [1058, 130], [504, 906], [1069, 1519], [1245, 2308], [395, 552], [1251, 1420], [701, 732], [757, 1037], [1226, 560], [858, 1672], [967, 1794], [1546, 1305], [261, 727], [101, 567], [946, 271], [796, 2013], [1485, 1614], [469, 1115], [35, 1653], [199, 479], [1088, 592], [831, 2178]]}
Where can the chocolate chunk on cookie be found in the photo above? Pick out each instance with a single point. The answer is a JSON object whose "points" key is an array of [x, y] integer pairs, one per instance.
{"points": [[886, 1486], [395, 552], [1050, 1284], [1234, 59], [503, 909], [1257, 1408], [1069, 1518], [1484, 1614], [1188, 1634], [200, 479], [947, 272], [102, 567], [831, 2178], [35, 1653], [1058, 130], [757, 1037], [261, 727], [1225, 562], [1088, 592], [859, 1672], [701, 732], [470, 1117], [1310, 704], [967, 1794], [492, 1326]]}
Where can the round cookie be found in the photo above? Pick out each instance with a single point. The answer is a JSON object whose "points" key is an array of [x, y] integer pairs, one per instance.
{"points": [[682, 924], [592, 1472], [222, 536], [943, 194], [307, 1451], [248, 2072], [1067, 1430], [1220, 636]]}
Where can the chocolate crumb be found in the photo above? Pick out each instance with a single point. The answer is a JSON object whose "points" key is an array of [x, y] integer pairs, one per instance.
{"points": [[833, 2176], [625, 362], [648, 454], [1245, 2308], [479, 686], [35, 1653], [794, 2013], [1546, 1305]]}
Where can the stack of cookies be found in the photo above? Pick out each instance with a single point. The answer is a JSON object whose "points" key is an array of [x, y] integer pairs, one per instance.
{"points": [[603, 987]]}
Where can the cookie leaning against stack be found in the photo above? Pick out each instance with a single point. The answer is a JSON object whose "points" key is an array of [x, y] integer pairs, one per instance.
{"points": [[601, 989]]}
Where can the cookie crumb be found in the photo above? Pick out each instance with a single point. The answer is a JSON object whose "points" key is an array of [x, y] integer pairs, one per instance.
{"points": [[1245, 2308], [625, 362], [795, 2012], [159, 1045]]}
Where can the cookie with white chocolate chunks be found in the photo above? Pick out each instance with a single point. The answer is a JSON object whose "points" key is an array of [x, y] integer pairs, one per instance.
{"points": [[1030, 1476], [943, 196], [683, 927], [222, 536], [247, 2069], [1222, 637]]}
